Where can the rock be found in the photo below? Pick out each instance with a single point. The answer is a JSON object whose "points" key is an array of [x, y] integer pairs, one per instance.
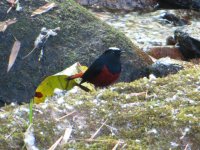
{"points": [[166, 66], [164, 111], [165, 51], [186, 4], [175, 20], [82, 38], [170, 40], [125, 5], [189, 46]]}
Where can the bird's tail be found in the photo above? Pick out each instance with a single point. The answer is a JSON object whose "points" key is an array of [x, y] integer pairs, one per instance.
{"points": [[78, 75]]}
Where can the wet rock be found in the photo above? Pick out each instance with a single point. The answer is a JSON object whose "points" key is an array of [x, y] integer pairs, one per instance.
{"points": [[175, 20], [189, 46], [125, 5], [165, 51], [187, 4], [82, 38], [170, 40], [165, 66]]}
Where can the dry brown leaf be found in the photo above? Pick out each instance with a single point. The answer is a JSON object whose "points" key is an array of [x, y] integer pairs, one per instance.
{"points": [[44, 8], [5, 24], [13, 54]]}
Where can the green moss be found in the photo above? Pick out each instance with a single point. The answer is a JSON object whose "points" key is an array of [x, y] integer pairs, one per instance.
{"points": [[43, 131], [156, 119]]}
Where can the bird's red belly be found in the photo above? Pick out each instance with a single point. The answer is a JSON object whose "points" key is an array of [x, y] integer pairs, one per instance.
{"points": [[105, 78]]}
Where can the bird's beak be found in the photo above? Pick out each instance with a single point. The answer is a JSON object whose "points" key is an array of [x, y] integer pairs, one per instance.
{"points": [[122, 51]]}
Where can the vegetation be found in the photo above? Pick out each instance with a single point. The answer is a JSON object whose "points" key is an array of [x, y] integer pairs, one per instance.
{"points": [[156, 113]]}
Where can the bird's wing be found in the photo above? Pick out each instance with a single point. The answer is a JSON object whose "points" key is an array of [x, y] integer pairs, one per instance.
{"points": [[93, 70]]}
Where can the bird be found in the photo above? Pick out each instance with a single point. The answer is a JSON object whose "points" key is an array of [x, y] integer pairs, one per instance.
{"points": [[104, 71]]}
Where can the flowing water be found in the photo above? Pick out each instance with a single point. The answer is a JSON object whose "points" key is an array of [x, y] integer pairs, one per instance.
{"points": [[148, 29]]}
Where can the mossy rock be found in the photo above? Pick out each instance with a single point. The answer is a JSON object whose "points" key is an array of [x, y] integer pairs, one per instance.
{"points": [[82, 38], [159, 113]]}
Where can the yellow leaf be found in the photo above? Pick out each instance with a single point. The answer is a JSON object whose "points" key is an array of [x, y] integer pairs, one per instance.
{"points": [[58, 81]]}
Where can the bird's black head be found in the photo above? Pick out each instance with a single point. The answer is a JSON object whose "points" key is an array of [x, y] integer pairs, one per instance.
{"points": [[114, 51]]}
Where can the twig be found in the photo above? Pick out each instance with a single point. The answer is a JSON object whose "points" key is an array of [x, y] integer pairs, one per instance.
{"points": [[94, 140], [66, 115], [117, 144], [68, 132], [2, 110], [123, 147], [93, 136], [186, 147], [36, 46], [10, 134], [56, 143]]}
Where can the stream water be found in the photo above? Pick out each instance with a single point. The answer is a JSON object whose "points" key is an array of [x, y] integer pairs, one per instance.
{"points": [[148, 29]]}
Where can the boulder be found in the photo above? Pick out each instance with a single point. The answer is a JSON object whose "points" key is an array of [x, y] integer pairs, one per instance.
{"points": [[165, 66], [82, 37], [116, 5], [187, 4], [189, 45]]}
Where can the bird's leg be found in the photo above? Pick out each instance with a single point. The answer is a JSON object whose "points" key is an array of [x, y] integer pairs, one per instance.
{"points": [[83, 87]]}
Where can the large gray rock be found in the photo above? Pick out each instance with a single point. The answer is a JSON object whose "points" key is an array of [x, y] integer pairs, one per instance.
{"points": [[186, 4], [82, 38], [127, 5]]}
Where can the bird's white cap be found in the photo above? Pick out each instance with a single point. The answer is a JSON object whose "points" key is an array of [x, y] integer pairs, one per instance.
{"points": [[114, 48]]}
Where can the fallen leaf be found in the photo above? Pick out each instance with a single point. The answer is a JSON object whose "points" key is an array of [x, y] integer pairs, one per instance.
{"points": [[59, 81], [44, 9], [5, 24], [13, 54]]}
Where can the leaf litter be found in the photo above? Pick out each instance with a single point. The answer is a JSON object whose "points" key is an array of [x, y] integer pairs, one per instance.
{"points": [[13, 54], [5, 24], [44, 9]]}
